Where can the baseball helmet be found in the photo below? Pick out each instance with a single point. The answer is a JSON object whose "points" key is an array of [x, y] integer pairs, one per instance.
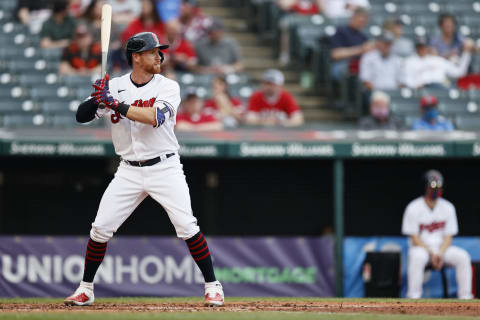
{"points": [[143, 41], [433, 184]]}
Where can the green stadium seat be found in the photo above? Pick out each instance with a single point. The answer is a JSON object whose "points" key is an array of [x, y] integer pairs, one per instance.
{"points": [[10, 106], [405, 107], [76, 81], [66, 121], [45, 92], [32, 79], [56, 107], [468, 122], [25, 120], [452, 107]]}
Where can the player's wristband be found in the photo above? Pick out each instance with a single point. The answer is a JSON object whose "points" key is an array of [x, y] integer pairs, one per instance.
{"points": [[122, 108]]}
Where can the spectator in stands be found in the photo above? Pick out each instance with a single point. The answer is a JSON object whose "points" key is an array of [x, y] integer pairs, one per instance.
{"points": [[193, 118], [218, 54], [380, 117], [77, 8], [59, 29], [148, 21], [223, 105], [348, 44], [342, 9], [125, 11], [449, 42], [431, 119], [92, 18], [169, 13], [272, 105], [83, 55], [380, 69], [194, 23], [424, 70], [33, 13], [402, 46]]}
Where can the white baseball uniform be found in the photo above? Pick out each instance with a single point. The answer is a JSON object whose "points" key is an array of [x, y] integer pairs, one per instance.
{"points": [[134, 141], [432, 226]]}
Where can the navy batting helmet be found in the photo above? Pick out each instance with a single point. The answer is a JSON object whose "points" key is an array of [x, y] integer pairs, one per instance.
{"points": [[434, 183], [143, 41]]}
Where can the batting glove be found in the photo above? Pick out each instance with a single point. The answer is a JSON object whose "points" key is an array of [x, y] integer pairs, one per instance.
{"points": [[102, 83]]}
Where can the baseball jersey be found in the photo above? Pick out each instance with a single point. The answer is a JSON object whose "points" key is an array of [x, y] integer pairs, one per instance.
{"points": [[137, 141], [284, 104], [430, 225]]}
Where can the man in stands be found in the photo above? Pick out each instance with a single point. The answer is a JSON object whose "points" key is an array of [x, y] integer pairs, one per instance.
{"points": [[431, 119], [425, 70], [82, 56], [380, 69], [380, 117], [193, 118], [348, 44], [58, 31], [217, 53], [272, 105]]}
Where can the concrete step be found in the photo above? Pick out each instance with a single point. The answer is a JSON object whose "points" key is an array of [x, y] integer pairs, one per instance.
{"points": [[244, 38], [260, 63], [219, 12], [314, 115], [310, 102], [257, 74], [210, 3], [235, 24], [256, 52]]}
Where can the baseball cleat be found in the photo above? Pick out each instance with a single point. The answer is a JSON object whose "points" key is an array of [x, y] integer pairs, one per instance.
{"points": [[214, 294], [83, 296]]}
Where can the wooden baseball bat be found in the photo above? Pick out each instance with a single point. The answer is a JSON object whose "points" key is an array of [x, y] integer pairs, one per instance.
{"points": [[105, 38], [105, 34]]}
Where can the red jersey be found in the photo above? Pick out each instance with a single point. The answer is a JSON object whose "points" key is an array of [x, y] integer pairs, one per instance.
{"points": [[306, 7], [137, 26], [285, 103], [211, 104], [199, 118]]}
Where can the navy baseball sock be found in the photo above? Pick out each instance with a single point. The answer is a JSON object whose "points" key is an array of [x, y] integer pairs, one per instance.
{"points": [[93, 259], [199, 250]]}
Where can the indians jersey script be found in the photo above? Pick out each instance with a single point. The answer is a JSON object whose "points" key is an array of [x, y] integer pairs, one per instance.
{"points": [[431, 225], [137, 141]]}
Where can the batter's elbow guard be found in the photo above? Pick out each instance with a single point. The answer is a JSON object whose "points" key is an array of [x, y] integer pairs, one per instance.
{"points": [[86, 111]]}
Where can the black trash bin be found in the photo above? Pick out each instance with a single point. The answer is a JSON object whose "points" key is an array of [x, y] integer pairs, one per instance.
{"points": [[381, 274]]}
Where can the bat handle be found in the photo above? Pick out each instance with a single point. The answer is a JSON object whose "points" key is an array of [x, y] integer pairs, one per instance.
{"points": [[104, 71]]}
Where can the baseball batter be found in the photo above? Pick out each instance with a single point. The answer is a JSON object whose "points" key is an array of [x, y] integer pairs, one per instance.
{"points": [[142, 106], [431, 223]]}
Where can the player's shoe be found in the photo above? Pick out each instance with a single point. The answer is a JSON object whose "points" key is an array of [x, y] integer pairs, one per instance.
{"points": [[83, 296], [214, 294]]}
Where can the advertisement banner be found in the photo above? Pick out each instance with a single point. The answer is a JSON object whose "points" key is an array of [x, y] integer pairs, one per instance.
{"points": [[162, 266], [356, 248]]}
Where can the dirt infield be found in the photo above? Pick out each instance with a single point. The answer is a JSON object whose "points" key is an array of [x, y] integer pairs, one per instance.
{"points": [[395, 307]]}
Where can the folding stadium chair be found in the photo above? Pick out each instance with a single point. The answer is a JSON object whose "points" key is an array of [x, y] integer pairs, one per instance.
{"points": [[51, 54], [76, 81], [25, 120], [64, 121], [45, 92], [32, 79], [405, 107]]}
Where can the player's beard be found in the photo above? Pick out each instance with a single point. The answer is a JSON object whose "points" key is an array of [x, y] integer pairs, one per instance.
{"points": [[153, 68]]}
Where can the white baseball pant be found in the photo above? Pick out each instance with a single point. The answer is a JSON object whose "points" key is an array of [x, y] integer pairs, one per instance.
{"points": [[164, 182], [418, 258]]}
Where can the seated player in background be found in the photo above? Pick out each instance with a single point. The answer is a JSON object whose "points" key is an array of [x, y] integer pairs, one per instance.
{"points": [[218, 54], [425, 70], [223, 105], [380, 117], [272, 105], [58, 30], [431, 119], [193, 118], [83, 56], [431, 222]]}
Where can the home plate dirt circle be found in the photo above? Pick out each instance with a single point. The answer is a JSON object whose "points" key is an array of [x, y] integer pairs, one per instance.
{"points": [[394, 307]]}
